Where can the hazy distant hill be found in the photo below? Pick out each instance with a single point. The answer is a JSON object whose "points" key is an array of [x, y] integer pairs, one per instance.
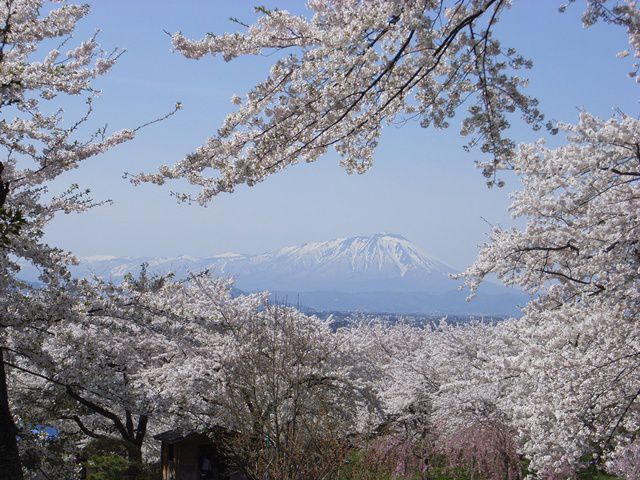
{"points": [[378, 273]]}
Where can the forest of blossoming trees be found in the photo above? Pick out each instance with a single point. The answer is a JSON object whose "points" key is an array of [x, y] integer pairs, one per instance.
{"points": [[90, 371]]}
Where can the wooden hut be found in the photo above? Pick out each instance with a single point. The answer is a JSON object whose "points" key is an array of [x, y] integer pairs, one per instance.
{"points": [[192, 457]]}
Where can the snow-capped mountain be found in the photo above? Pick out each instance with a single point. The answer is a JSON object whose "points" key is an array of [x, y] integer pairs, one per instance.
{"points": [[381, 262], [382, 272]]}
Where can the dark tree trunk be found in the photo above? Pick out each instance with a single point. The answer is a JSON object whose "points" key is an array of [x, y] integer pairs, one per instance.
{"points": [[10, 466], [134, 440]]}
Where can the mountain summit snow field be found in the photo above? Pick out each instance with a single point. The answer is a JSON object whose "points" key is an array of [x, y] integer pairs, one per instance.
{"points": [[362, 263], [384, 272]]}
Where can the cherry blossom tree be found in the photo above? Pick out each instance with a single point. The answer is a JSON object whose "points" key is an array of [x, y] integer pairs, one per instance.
{"points": [[571, 363], [402, 444], [578, 379], [473, 429], [353, 67], [626, 463], [279, 390], [564, 378], [443, 387], [347, 71], [39, 145], [87, 374], [100, 378], [154, 353]]}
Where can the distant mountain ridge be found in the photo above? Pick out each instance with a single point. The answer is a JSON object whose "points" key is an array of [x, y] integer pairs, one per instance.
{"points": [[380, 262], [384, 272]]}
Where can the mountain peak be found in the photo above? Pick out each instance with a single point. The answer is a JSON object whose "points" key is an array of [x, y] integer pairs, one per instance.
{"points": [[378, 272], [381, 257], [376, 262], [389, 235]]}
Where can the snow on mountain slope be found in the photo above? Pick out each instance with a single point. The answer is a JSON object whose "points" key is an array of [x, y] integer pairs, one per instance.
{"points": [[386, 254], [381, 262], [378, 273]]}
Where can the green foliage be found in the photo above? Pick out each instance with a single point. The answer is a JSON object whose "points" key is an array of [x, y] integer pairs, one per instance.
{"points": [[361, 466], [107, 467], [593, 473], [114, 459], [116, 467], [109, 446]]}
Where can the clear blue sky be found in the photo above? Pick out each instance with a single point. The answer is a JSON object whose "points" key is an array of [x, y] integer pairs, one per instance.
{"points": [[423, 185]]}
